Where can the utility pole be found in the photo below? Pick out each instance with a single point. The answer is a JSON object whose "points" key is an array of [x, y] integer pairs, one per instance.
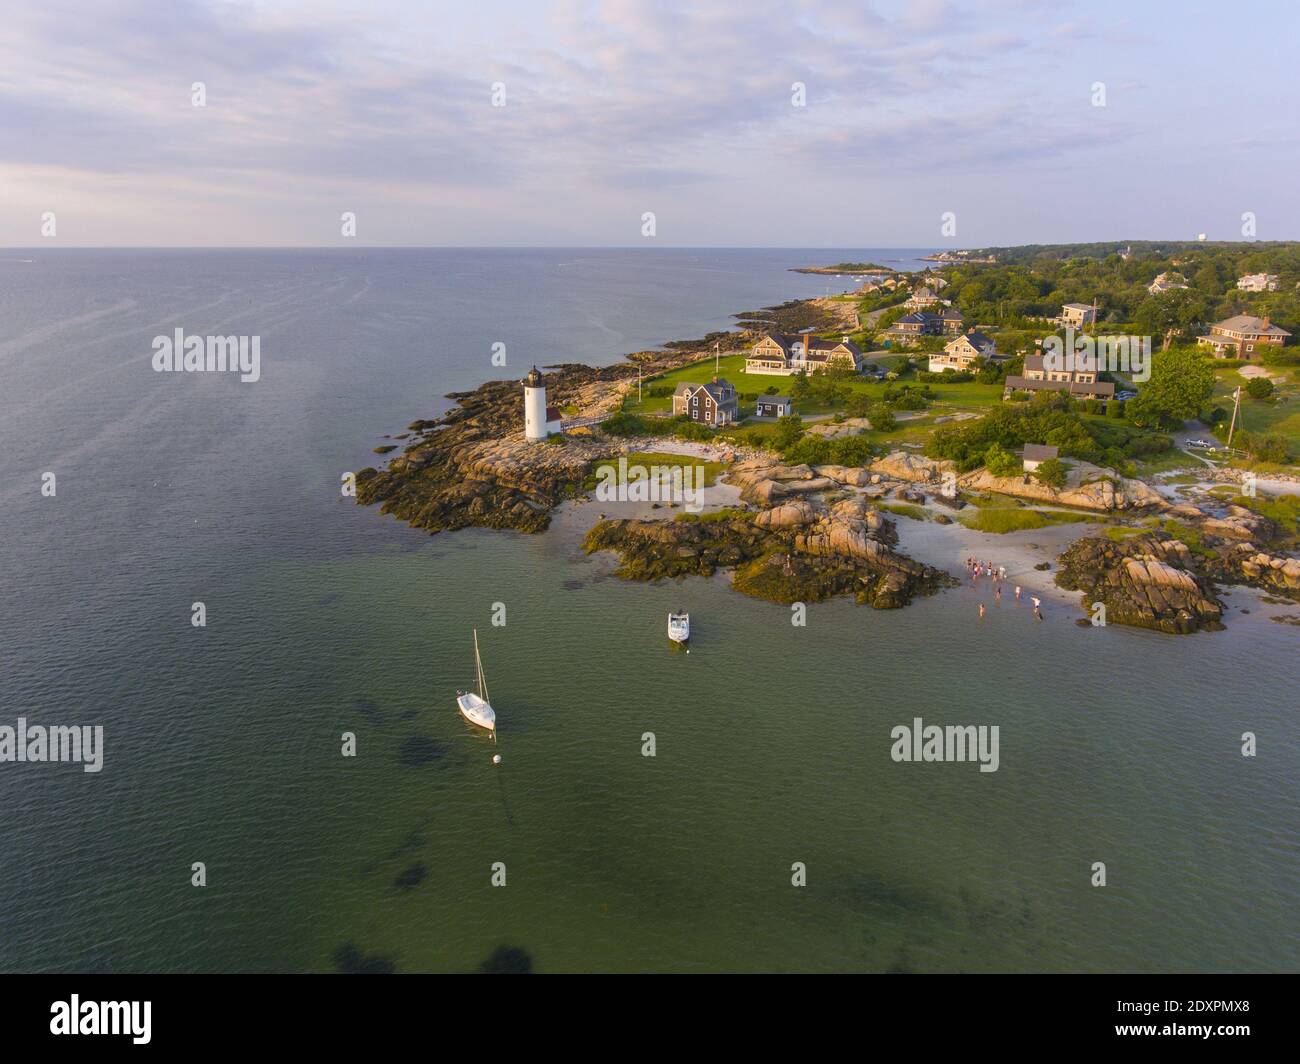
{"points": [[638, 382], [1235, 407]]}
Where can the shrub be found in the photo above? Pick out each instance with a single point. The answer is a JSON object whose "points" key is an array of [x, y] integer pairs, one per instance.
{"points": [[882, 418], [1265, 448], [1259, 388], [1052, 473], [1001, 462], [624, 424]]}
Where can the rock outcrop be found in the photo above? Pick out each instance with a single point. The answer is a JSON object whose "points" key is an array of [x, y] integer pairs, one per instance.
{"points": [[1149, 581], [902, 465], [1087, 487], [792, 552]]}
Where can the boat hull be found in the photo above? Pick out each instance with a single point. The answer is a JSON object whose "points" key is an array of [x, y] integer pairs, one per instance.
{"points": [[476, 711], [679, 627]]}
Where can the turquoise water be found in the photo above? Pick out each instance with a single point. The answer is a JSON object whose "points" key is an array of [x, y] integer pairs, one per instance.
{"points": [[772, 741]]}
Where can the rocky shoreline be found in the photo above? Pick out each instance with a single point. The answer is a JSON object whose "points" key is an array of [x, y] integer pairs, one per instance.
{"points": [[800, 551], [812, 532]]}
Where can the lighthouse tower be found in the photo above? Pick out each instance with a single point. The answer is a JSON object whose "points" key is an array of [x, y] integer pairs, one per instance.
{"points": [[539, 420]]}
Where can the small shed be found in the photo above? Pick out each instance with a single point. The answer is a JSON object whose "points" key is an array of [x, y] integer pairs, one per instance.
{"points": [[1037, 453], [774, 406]]}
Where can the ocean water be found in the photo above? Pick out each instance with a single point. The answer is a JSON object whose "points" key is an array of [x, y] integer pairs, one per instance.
{"points": [[222, 744]]}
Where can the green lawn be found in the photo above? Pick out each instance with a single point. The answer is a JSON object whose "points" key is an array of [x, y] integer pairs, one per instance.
{"points": [[948, 398], [1278, 415], [654, 458], [1008, 519]]}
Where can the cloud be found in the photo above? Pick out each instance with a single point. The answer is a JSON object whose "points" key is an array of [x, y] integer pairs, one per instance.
{"points": [[387, 103]]}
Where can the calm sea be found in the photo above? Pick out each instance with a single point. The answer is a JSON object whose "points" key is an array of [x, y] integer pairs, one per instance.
{"points": [[772, 742]]}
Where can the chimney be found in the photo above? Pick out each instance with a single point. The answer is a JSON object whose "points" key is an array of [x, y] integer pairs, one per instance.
{"points": [[1266, 322], [715, 380]]}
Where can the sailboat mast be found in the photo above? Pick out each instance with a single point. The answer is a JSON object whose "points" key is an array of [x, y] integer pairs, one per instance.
{"points": [[478, 668]]}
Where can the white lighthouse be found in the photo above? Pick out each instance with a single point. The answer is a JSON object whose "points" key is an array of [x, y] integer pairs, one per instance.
{"points": [[540, 420]]}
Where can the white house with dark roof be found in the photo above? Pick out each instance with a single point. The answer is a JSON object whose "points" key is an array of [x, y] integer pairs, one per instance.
{"points": [[714, 403]]}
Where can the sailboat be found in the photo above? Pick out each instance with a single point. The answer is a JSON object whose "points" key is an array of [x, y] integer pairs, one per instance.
{"points": [[679, 627], [475, 708]]}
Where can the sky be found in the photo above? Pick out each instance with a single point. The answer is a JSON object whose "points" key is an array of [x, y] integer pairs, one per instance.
{"points": [[983, 112]]}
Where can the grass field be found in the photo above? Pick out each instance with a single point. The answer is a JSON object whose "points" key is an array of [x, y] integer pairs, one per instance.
{"points": [[1009, 519], [1279, 414], [948, 398]]}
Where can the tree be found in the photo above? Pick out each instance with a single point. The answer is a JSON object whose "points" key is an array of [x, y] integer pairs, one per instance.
{"points": [[882, 418], [788, 431], [1259, 388], [1001, 462], [799, 386], [1052, 473], [1182, 381], [1171, 313]]}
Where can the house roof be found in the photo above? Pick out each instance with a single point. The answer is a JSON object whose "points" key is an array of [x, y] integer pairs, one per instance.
{"points": [[1250, 323], [811, 343], [977, 339], [1040, 452], [715, 389], [1023, 384], [774, 399], [1077, 306], [917, 317]]}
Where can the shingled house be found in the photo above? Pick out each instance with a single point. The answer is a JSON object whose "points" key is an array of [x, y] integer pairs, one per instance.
{"points": [[1077, 383], [714, 403], [960, 354], [785, 354], [1243, 336]]}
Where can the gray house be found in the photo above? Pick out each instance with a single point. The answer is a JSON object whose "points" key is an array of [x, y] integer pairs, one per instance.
{"points": [[714, 403]]}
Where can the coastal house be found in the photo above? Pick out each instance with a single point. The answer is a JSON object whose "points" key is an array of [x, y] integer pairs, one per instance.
{"points": [[1243, 336], [714, 403], [1075, 382], [911, 326], [961, 353], [784, 354], [951, 321], [922, 299], [1037, 453], [1167, 282], [1078, 315], [1258, 282], [773, 406]]}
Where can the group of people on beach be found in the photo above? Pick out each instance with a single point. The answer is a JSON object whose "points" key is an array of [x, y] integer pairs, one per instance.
{"points": [[998, 574]]}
